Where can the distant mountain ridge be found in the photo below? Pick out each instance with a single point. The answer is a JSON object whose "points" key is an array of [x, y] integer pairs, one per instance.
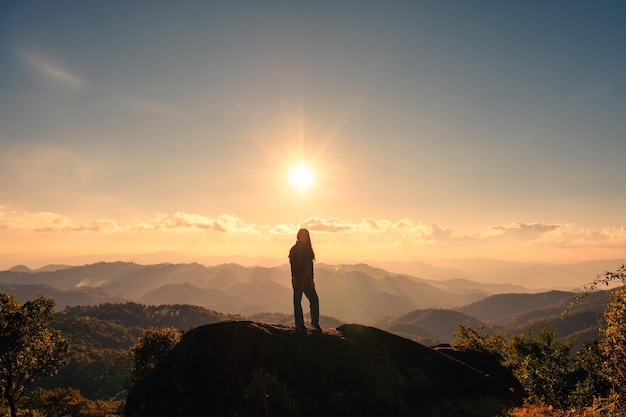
{"points": [[573, 320], [430, 326], [46, 268], [73, 297], [500, 309], [357, 293], [354, 293], [538, 276]]}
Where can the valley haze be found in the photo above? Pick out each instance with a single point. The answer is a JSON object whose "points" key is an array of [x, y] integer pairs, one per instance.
{"points": [[349, 292], [534, 276]]}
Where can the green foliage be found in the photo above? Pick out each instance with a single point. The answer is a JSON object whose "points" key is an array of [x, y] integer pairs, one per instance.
{"points": [[68, 402], [132, 314], [595, 377], [266, 396], [101, 337], [98, 362], [613, 345], [86, 332], [541, 363], [29, 349], [151, 349], [587, 377], [467, 337], [606, 278], [99, 373]]}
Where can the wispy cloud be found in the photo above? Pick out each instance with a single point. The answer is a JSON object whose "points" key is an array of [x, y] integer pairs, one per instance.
{"points": [[569, 235], [283, 229], [521, 230], [52, 69], [370, 235], [376, 225], [224, 223], [326, 225], [408, 230], [45, 221]]}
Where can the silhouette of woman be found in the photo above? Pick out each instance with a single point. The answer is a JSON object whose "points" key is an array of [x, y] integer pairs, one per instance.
{"points": [[301, 257]]}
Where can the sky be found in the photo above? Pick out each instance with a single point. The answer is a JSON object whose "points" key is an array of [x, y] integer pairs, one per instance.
{"points": [[431, 129]]}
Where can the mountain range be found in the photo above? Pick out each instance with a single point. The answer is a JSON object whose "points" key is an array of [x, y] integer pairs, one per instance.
{"points": [[354, 293], [426, 310]]}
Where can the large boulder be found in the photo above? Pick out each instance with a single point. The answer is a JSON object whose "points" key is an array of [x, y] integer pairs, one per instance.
{"points": [[244, 368]]}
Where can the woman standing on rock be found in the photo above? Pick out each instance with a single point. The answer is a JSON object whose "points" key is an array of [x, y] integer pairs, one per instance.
{"points": [[301, 257]]}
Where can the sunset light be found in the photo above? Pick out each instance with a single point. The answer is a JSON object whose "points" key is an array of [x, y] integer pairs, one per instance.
{"points": [[301, 177], [317, 177], [406, 132], [303, 185]]}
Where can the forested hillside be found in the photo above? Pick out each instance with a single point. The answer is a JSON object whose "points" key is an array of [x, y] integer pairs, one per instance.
{"points": [[101, 336]]}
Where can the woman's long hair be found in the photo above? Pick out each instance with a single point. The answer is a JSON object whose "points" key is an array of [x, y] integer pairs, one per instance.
{"points": [[305, 242]]}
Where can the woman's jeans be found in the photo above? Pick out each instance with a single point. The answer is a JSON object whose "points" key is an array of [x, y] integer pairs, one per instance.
{"points": [[304, 285]]}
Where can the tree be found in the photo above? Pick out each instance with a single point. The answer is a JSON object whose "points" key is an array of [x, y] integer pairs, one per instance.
{"points": [[469, 338], [69, 402], [150, 349], [613, 346], [588, 380], [29, 349], [541, 362]]}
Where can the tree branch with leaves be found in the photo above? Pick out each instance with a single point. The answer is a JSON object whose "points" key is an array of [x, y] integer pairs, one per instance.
{"points": [[29, 349], [613, 346]]}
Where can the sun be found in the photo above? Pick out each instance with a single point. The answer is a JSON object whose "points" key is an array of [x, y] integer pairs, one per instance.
{"points": [[301, 177]]}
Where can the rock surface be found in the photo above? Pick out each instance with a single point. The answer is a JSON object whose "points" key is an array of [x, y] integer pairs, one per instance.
{"points": [[353, 370]]}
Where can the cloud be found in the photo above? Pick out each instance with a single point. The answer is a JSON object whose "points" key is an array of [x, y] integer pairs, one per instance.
{"points": [[430, 232], [368, 237], [41, 221], [224, 223], [373, 232], [326, 225], [616, 235], [569, 236], [48, 222], [45, 221], [375, 225], [101, 225], [232, 224], [523, 230], [51, 69], [421, 234], [283, 229]]}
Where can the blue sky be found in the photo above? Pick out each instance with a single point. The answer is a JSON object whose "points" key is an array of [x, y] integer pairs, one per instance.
{"points": [[434, 129]]}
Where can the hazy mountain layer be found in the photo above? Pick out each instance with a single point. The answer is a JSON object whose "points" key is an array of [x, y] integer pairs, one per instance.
{"points": [[351, 293]]}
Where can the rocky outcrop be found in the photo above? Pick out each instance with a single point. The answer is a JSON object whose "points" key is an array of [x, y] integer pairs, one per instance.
{"points": [[251, 368]]}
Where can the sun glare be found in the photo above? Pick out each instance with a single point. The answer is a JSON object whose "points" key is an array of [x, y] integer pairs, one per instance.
{"points": [[301, 177]]}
